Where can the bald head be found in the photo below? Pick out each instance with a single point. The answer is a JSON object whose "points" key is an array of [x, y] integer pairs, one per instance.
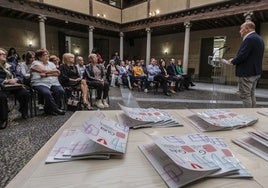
{"points": [[250, 25], [246, 28]]}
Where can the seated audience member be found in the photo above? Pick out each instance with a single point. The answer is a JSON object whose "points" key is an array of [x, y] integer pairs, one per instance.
{"points": [[96, 51], [143, 65], [174, 76], [80, 66], [124, 76], [25, 67], [13, 56], [187, 78], [154, 74], [70, 77], [94, 75], [130, 65], [112, 73], [139, 74], [45, 81], [116, 59], [12, 77], [164, 72], [54, 59]]}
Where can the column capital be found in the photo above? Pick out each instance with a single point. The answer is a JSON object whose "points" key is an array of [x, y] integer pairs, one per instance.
{"points": [[41, 18], [248, 15], [187, 24], [121, 34], [91, 28], [148, 30]]}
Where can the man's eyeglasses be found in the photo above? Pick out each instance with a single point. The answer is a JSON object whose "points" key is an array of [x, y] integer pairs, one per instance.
{"points": [[3, 54]]}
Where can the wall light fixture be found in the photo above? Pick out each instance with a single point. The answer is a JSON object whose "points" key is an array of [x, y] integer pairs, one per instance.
{"points": [[154, 13]]}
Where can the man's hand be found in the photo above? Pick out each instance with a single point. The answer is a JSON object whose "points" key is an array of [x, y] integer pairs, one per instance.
{"points": [[230, 60]]}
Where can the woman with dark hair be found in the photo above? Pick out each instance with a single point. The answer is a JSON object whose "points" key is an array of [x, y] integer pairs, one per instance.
{"points": [[45, 81], [187, 78], [12, 56], [25, 67]]}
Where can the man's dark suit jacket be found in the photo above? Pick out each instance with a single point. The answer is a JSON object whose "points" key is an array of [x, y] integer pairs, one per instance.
{"points": [[249, 58], [171, 70]]}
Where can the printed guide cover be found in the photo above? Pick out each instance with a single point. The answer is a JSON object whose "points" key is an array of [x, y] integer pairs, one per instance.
{"points": [[184, 159], [98, 137]]}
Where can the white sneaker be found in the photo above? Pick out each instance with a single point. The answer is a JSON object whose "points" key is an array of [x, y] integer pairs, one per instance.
{"points": [[99, 104], [40, 107], [145, 90], [105, 104]]}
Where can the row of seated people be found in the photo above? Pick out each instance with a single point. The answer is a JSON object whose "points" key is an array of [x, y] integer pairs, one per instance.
{"points": [[158, 72], [50, 81]]}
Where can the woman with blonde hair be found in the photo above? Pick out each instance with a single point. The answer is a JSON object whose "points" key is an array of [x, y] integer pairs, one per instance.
{"points": [[70, 78]]}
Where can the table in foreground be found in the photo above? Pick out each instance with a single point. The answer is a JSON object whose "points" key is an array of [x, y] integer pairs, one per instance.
{"points": [[133, 170]]}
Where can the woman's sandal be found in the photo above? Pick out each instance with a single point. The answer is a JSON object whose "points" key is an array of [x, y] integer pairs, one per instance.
{"points": [[88, 107]]}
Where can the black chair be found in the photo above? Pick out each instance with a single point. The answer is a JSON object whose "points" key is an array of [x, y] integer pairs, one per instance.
{"points": [[74, 94]]}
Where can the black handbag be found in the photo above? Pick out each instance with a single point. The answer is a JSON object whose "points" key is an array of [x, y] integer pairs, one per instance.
{"points": [[9, 87], [73, 103]]}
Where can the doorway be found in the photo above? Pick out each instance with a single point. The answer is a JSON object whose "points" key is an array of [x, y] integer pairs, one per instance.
{"points": [[213, 47], [206, 50]]}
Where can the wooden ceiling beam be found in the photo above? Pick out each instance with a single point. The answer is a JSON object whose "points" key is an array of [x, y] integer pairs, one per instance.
{"points": [[213, 13]]}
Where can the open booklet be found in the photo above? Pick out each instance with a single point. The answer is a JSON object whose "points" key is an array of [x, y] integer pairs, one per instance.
{"points": [[98, 137], [146, 117], [180, 160], [220, 119], [256, 142]]}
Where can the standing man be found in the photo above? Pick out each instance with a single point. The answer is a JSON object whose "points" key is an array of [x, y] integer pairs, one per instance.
{"points": [[248, 63]]}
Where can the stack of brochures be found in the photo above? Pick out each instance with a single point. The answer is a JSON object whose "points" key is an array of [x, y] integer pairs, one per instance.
{"points": [[219, 119], [99, 137], [146, 117], [181, 160], [256, 142]]}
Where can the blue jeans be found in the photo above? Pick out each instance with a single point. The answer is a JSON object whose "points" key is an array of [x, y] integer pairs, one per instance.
{"points": [[52, 97]]}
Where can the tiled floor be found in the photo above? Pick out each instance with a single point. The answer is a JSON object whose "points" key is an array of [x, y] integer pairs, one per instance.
{"points": [[203, 95]]}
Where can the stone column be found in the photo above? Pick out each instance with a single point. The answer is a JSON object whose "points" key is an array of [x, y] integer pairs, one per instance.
{"points": [[186, 46], [42, 31], [148, 46], [121, 45], [90, 38], [248, 16]]}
